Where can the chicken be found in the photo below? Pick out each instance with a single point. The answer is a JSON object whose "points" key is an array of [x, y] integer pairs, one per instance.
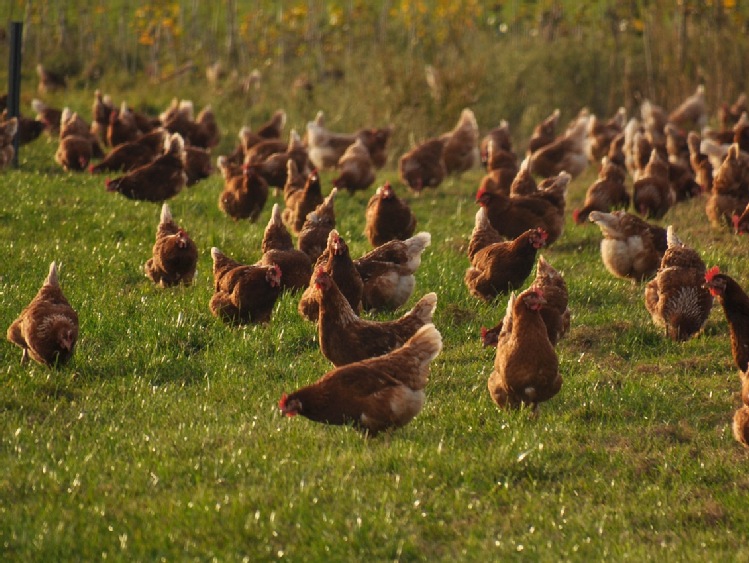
{"points": [[197, 164], [677, 147], [544, 133], [555, 312], [28, 129], [206, 133], [606, 193], [526, 367], [730, 114], [681, 179], [47, 328], [503, 266], [273, 128], [244, 194], [388, 217], [49, 81], [676, 298], [175, 256], [512, 216], [72, 124], [313, 237], [700, 163], [730, 193], [132, 155], [122, 127], [423, 166], [158, 180], [8, 131], [337, 263], [565, 153], [500, 140], [716, 152], [692, 112], [388, 272], [735, 303], [654, 119], [601, 133], [243, 294], [73, 153], [460, 150], [259, 152], [50, 117], [200, 132], [278, 248], [483, 234], [616, 154], [631, 248], [502, 168], [345, 338], [375, 394], [356, 168], [273, 168], [101, 110], [652, 195], [326, 148], [523, 183], [300, 201]]}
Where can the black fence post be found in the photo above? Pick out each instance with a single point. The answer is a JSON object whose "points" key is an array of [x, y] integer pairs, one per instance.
{"points": [[14, 79]]}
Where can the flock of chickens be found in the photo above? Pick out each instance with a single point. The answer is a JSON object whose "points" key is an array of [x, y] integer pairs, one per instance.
{"points": [[381, 368]]}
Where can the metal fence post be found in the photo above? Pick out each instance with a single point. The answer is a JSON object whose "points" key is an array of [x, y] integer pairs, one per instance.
{"points": [[14, 80]]}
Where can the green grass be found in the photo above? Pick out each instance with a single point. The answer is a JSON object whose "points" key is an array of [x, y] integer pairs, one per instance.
{"points": [[162, 438]]}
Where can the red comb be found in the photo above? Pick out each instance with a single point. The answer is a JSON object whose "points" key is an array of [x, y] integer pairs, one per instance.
{"points": [[576, 216], [91, 169], [543, 233], [735, 221], [484, 330], [711, 273], [480, 194], [282, 402]]}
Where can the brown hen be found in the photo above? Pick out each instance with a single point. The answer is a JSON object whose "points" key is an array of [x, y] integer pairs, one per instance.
{"points": [[345, 338], [243, 294], [47, 328], [676, 298], [388, 217], [175, 255], [526, 367], [375, 394]]}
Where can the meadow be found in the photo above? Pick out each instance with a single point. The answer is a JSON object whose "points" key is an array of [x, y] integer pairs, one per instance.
{"points": [[162, 438]]}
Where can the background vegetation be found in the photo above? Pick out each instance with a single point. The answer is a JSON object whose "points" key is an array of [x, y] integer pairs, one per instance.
{"points": [[162, 438]]}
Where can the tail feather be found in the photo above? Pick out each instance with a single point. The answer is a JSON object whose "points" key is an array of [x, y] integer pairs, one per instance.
{"points": [[424, 308], [166, 214], [426, 343], [671, 238], [415, 355], [417, 243], [52, 276], [275, 216]]}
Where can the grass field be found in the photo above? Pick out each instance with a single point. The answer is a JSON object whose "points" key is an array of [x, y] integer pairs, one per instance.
{"points": [[162, 438]]}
